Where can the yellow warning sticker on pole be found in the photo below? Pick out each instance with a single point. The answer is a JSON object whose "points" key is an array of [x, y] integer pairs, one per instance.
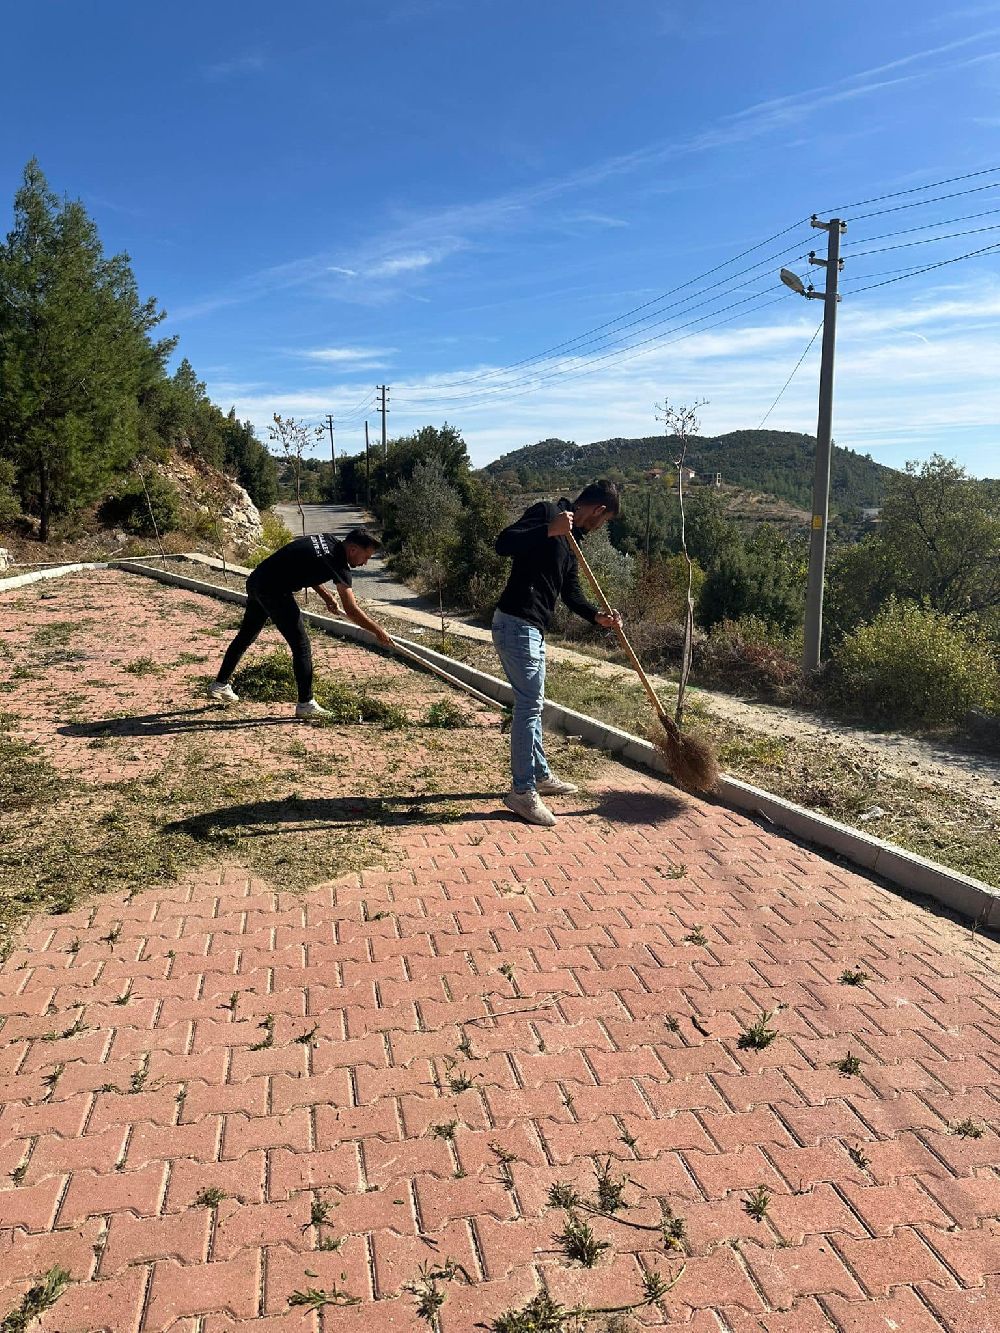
{"points": [[817, 520]]}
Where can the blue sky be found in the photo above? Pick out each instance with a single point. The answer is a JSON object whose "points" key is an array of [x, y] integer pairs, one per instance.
{"points": [[325, 196]]}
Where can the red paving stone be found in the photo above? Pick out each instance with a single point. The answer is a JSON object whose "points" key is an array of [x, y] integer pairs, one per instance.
{"points": [[880, 1217]]}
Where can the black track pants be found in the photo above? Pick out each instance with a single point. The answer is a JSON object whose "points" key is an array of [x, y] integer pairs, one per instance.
{"points": [[264, 604]]}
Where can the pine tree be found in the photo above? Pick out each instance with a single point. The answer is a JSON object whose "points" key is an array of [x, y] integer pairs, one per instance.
{"points": [[75, 355]]}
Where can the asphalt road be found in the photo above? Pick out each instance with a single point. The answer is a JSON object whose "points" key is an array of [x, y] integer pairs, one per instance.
{"points": [[374, 581]]}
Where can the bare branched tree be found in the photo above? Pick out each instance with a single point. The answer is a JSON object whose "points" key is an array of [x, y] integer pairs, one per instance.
{"points": [[293, 439], [680, 423]]}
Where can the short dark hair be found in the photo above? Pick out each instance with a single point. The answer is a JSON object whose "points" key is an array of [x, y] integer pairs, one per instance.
{"points": [[600, 493], [363, 538]]}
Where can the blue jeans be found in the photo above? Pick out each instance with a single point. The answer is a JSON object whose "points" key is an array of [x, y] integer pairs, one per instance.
{"points": [[521, 649]]}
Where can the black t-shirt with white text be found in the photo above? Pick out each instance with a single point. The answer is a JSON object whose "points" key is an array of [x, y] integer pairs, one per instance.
{"points": [[305, 562]]}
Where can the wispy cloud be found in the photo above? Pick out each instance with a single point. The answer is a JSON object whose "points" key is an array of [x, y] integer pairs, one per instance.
{"points": [[235, 67], [391, 268], [358, 358], [597, 220]]}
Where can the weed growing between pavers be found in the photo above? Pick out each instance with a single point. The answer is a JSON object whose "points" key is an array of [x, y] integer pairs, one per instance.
{"points": [[757, 1202], [859, 1159], [427, 1289], [314, 1298], [759, 1035], [853, 976], [543, 1315], [142, 666], [36, 1300]]}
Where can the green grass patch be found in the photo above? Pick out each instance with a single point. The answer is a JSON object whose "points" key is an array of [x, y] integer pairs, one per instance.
{"points": [[753, 751], [152, 830], [27, 779], [271, 680], [142, 666], [444, 713]]}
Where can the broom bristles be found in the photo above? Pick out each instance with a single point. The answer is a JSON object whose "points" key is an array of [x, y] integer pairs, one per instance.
{"points": [[689, 758]]}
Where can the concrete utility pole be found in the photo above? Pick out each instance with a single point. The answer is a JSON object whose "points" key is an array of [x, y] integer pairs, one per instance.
{"points": [[824, 444], [383, 407], [333, 451]]}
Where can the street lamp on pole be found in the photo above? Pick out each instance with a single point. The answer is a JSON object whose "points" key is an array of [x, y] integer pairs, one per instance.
{"points": [[813, 631]]}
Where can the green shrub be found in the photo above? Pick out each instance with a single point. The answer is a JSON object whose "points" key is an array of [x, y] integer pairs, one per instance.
{"points": [[130, 508], [10, 507], [750, 581], [913, 665], [275, 535], [751, 656]]}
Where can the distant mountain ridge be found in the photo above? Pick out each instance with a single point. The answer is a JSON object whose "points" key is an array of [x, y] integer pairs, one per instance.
{"points": [[778, 463]]}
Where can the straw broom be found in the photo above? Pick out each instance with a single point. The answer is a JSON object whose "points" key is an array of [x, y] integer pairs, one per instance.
{"points": [[690, 759]]}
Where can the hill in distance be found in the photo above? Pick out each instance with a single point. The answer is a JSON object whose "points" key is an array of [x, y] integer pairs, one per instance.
{"points": [[776, 463]]}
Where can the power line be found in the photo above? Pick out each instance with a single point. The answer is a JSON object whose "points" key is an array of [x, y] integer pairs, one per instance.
{"points": [[645, 305], [630, 355], [791, 376], [919, 203], [915, 189], [434, 394], [927, 240], [945, 222], [926, 268]]}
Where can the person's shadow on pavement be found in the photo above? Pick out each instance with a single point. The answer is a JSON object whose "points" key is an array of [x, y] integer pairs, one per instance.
{"points": [[207, 718]]}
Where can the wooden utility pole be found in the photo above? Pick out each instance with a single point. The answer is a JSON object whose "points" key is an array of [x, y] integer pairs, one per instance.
{"points": [[383, 407], [368, 471]]}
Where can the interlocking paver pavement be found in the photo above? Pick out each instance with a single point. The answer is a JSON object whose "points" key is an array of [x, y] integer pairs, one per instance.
{"points": [[498, 1011]]}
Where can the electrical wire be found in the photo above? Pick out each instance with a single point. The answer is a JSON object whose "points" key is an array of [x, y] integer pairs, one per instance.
{"points": [[589, 335], [485, 393], [927, 240], [640, 350], [919, 203], [359, 409], [926, 268], [791, 376], [915, 189], [908, 231], [612, 333]]}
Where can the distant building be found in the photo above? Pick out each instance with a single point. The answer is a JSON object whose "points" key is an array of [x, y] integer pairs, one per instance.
{"points": [[871, 514]]}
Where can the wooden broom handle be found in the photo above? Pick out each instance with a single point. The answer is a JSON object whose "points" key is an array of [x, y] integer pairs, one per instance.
{"points": [[435, 670], [607, 608]]}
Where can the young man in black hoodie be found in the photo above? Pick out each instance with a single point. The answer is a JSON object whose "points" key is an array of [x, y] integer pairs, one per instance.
{"points": [[544, 570], [304, 562]]}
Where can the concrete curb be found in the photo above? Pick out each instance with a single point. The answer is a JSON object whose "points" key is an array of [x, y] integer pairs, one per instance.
{"points": [[968, 897], [22, 580]]}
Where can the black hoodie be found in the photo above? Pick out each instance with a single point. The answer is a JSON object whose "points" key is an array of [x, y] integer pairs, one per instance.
{"points": [[544, 568]]}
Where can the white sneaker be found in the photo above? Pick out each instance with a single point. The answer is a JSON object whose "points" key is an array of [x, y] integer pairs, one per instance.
{"points": [[528, 806], [553, 786], [224, 692], [311, 709]]}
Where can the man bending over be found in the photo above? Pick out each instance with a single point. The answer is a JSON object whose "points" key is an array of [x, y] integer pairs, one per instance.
{"points": [[544, 570], [305, 562]]}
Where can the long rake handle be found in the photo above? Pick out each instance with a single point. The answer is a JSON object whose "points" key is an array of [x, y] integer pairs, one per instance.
{"points": [[607, 608], [443, 675]]}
